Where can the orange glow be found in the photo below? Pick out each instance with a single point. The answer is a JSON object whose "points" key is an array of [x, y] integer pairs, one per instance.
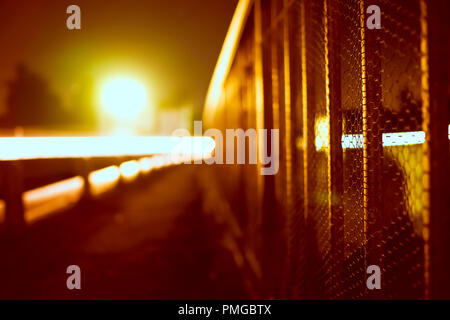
{"points": [[104, 180], [129, 170], [146, 164], [227, 54], [53, 197], [158, 161], [17, 148], [322, 131], [2, 211], [123, 97]]}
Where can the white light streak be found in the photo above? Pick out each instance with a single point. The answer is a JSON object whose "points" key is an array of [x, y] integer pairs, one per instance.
{"points": [[355, 141], [18, 148]]}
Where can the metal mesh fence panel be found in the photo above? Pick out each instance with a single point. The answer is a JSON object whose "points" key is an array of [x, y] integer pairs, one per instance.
{"points": [[356, 177], [364, 201], [402, 164]]}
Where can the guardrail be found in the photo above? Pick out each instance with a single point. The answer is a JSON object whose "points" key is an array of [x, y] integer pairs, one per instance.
{"points": [[40, 176], [21, 205]]}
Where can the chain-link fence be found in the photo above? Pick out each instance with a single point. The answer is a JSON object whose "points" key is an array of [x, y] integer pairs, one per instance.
{"points": [[364, 165]]}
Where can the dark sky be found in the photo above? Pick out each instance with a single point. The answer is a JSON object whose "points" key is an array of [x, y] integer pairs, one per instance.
{"points": [[172, 44]]}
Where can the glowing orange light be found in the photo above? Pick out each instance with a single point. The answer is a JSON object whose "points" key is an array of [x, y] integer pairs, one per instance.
{"points": [[322, 131], [226, 55], [130, 170], [103, 180], [123, 97], [146, 164], [2, 211], [51, 198]]}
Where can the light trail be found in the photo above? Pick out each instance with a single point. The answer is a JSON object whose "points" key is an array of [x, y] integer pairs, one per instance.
{"points": [[22, 148]]}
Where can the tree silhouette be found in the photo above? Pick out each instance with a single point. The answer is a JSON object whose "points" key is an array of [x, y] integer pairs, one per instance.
{"points": [[30, 101]]}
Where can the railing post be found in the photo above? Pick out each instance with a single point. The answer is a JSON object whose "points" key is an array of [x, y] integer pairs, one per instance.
{"points": [[12, 173], [83, 168]]}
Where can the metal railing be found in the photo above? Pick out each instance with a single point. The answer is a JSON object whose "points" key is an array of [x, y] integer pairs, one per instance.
{"points": [[41, 175]]}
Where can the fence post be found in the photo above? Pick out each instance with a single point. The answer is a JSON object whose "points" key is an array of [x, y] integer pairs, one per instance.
{"points": [[373, 144], [435, 84], [260, 123], [335, 153]]}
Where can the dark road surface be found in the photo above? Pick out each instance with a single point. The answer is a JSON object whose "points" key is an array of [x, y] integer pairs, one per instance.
{"points": [[149, 240]]}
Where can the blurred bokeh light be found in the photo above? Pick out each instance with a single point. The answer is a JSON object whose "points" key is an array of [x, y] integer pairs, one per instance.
{"points": [[123, 97]]}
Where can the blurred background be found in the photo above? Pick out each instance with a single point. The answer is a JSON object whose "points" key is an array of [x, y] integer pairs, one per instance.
{"points": [[83, 119], [52, 78]]}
